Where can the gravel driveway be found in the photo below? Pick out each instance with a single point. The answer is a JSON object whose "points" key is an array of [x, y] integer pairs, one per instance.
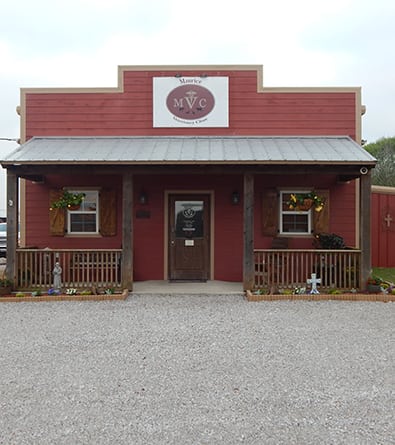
{"points": [[197, 369]]}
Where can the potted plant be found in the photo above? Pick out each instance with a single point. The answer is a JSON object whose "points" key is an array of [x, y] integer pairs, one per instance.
{"points": [[68, 200], [305, 201], [5, 286], [329, 241], [373, 284]]}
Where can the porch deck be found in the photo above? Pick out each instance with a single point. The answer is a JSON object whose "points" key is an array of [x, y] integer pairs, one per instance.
{"points": [[213, 287]]}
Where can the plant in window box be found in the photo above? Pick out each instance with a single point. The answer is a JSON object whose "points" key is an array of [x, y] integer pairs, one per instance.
{"points": [[305, 201], [68, 200]]}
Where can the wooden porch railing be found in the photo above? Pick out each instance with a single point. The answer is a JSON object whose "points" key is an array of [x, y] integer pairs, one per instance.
{"points": [[337, 269], [81, 269]]}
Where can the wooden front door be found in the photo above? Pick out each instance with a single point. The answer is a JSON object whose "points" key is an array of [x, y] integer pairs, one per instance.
{"points": [[189, 237]]}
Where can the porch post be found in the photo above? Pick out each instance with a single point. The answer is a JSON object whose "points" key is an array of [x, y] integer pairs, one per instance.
{"points": [[365, 185], [248, 251], [12, 224], [127, 231]]}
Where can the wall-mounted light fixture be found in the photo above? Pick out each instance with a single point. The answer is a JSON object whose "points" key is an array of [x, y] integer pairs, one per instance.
{"points": [[143, 198], [235, 197]]}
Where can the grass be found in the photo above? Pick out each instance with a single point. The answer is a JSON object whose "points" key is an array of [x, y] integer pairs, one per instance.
{"points": [[385, 273]]}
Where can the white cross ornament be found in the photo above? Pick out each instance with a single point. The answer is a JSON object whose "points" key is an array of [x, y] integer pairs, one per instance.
{"points": [[314, 281]]}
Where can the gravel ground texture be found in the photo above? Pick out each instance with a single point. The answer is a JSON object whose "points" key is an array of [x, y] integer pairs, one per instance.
{"points": [[197, 369]]}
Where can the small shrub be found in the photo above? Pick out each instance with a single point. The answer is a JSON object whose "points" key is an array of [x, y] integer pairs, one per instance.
{"points": [[335, 292], [5, 282], [329, 241], [260, 291], [20, 294], [374, 280]]}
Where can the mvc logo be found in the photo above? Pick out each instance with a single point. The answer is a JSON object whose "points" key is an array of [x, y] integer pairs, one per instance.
{"points": [[190, 102]]}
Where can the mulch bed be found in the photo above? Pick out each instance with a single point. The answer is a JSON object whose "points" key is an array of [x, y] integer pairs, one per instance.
{"points": [[385, 298], [63, 297]]}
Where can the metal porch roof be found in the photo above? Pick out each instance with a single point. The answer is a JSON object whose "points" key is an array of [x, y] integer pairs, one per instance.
{"points": [[189, 150]]}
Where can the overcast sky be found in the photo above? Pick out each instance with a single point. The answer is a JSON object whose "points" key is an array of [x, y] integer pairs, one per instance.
{"points": [[80, 43]]}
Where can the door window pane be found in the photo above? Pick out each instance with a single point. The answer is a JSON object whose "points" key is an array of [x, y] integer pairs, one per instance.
{"points": [[189, 219]]}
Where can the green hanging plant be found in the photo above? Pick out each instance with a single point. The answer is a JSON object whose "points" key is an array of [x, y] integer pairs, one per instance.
{"points": [[68, 200]]}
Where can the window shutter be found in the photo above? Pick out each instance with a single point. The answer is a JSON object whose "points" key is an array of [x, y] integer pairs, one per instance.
{"points": [[108, 213], [321, 219], [270, 203], [57, 217]]}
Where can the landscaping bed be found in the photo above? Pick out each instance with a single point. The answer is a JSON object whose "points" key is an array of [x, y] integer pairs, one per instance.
{"points": [[27, 296], [385, 298]]}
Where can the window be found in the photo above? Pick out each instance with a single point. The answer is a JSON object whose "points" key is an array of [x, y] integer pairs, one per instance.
{"points": [[85, 219], [296, 222], [189, 219]]}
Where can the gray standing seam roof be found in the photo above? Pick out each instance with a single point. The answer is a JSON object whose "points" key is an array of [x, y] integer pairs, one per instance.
{"points": [[190, 150]]}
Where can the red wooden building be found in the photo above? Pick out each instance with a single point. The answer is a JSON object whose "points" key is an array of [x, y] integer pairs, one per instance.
{"points": [[383, 226], [187, 174]]}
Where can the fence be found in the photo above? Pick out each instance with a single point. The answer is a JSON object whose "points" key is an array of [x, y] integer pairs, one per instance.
{"points": [[100, 268], [337, 269]]}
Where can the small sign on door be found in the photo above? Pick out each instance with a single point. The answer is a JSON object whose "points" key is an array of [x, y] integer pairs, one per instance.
{"points": [[189, 242]]}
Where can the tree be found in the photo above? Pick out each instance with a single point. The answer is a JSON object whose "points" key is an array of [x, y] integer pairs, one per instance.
{"points": [[384, 151]]}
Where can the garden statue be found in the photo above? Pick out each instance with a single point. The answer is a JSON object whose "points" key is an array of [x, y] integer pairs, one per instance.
{"points": [[314, 281], [57, 276]]}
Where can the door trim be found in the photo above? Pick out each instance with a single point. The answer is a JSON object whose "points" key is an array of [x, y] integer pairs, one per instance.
{"points": [[169, 192]]}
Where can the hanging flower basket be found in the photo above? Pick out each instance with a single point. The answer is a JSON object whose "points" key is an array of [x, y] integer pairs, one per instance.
{"points": [[306, 205], [305, 201], [69, 201], [73, 207]]}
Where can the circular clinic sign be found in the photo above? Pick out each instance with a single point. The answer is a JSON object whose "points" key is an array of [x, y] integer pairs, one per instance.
{"points": [[189, 213], [190, 102]]}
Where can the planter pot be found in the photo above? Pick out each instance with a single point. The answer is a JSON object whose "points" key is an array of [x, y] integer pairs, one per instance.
{"points": [[5, 290], [74, 207], [373, 288], [307, 203]]}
